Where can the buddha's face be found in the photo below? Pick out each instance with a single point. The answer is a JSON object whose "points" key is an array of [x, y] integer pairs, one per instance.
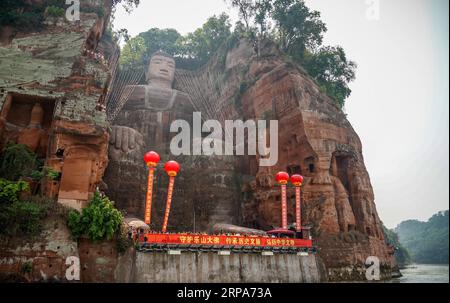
{"points": [[161, 70]]}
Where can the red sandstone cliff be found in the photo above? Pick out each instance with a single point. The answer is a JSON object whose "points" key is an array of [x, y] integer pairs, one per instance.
{"points": [[315, 140]]}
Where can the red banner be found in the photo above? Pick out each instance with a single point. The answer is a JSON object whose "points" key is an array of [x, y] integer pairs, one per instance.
{"points": [[298, 210], [284, 223], [250, 241]]}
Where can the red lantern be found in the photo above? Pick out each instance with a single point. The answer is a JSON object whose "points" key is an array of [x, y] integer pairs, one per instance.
{"points": [[172, 168], [282, 178], [297, 180], [152, 159]]}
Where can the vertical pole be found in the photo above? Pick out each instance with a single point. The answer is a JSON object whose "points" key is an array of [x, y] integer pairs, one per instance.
{"points": [[283, 208], [148, 204], [169, 202], [298, 209]]}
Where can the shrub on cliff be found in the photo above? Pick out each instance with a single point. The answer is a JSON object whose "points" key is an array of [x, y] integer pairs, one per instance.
{"points": [[19, 217], [99, 221], [29, 16], [298, 31], [332, 70], [24, 218], [55, 11], [17, 161], [10, 191], [401, 254]]}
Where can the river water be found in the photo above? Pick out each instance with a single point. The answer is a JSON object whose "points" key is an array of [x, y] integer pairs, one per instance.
{"points": [[424, 273]]}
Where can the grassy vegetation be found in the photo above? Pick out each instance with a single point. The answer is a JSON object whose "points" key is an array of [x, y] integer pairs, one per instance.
{"points": [[20, 213]]}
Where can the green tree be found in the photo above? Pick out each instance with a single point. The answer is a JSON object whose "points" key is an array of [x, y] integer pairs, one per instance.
{"points": [[246, 10], [256, 16], [10, 191], [401, 254], [190, 51], [21, 14], [196, 48], [427, 242], [330, 67], [17, 161], [17, 216], [129, 5], [161, 39], [298, 27], [99, 221], [24, 217], [133, 52]]}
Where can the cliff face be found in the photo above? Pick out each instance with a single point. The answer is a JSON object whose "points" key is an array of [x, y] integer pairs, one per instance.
{"points": [[315, 140], [52, 92]]}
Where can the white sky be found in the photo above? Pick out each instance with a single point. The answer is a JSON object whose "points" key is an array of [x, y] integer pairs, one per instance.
{"points": [[400, 100]]}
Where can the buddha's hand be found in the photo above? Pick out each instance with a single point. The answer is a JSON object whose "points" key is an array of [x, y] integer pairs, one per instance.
{"points": [[124, 140]]}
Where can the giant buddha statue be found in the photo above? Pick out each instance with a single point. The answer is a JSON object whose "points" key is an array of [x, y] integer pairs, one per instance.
{"points": [[152, 107], [142, 125], [205, 193]]}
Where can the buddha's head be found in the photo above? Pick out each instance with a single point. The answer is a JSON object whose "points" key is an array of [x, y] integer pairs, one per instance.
{"points": [[161, 70], [37, 116]]}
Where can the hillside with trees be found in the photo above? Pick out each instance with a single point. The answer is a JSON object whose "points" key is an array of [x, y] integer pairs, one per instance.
{"points": [[290, 24], [427, 242], [401, 254]]}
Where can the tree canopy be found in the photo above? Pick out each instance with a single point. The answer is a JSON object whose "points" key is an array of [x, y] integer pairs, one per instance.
{"points": [[332, 70], [427, 242], [298, 31], [401, 253], [190, 51]]}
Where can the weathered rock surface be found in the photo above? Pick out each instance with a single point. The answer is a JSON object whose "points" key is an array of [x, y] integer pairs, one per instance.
{"points": [[51, 92], [38, 260], [315, 140]]}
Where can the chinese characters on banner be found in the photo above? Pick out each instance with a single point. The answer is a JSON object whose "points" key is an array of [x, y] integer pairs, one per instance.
{"points": [[186, 239], [298, 210], [284, 207]]}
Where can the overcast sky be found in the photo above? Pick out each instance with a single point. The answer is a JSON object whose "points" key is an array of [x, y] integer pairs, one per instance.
{"points": [[400, 100]]}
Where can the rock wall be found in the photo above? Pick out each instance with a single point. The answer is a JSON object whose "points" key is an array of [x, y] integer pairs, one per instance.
{"points": [[48, 257], [315, 140], [236, 268], [38, 260], [53, 85]]}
